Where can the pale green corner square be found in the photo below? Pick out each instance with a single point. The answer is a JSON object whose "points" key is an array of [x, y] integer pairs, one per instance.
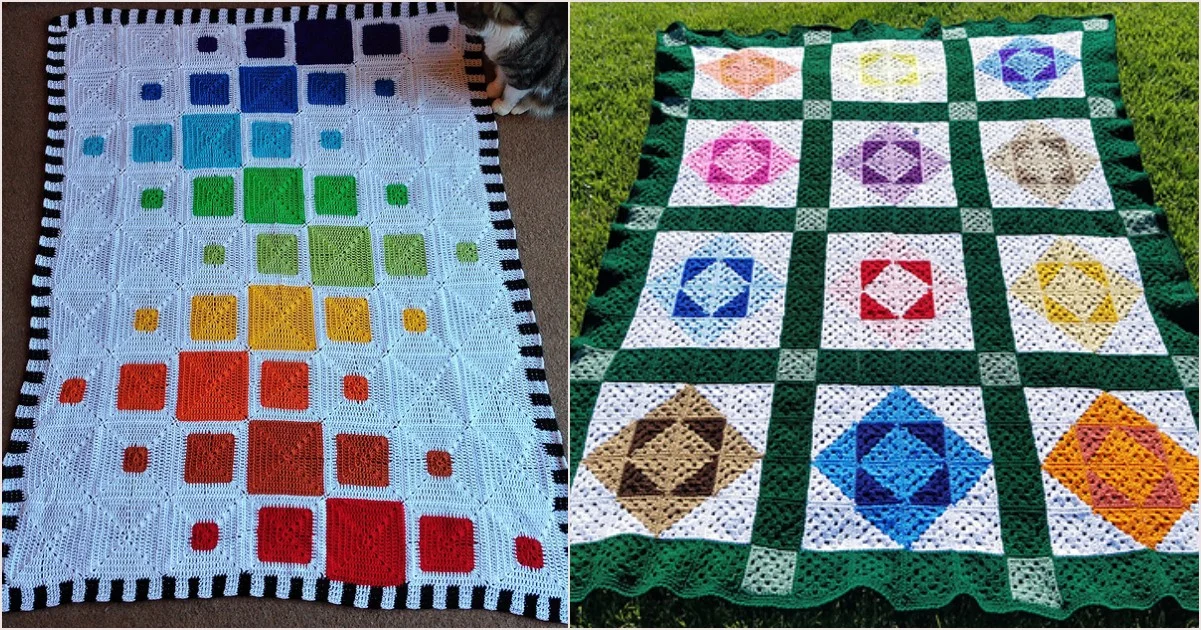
{"points": [[643, 218], [590, 364], [797, 365], [1032, 580], [977, 220], [811, 219], [999, 369], [769, 571]]}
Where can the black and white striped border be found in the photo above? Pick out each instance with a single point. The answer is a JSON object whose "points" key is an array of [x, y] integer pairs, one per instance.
{"points": [[410, 596]]}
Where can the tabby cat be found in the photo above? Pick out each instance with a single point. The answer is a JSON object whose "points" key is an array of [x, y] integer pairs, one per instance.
{"points": [[528, 43]]}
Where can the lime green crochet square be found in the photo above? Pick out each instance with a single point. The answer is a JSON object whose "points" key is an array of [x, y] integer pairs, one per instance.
{"points": [[213, 196], [335, 194], [273, 195], [467, 252], [278, 254], [398, 195], [214, 254], [404, 255], [341, 256], [152, 198]]}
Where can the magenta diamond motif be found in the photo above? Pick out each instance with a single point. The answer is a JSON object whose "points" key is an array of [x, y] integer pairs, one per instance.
{"points": [[739, 162], [892, 163]]}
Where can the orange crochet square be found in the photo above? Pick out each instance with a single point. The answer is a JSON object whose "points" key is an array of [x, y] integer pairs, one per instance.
{"points": [[213, 386], [362, 460], [285, 458], [214, 318], [142, 387], [72, 391], [281, 318], [284, 385], [438, 464], [347, 319], [135, 459], [145, 320], [355, 388], [209, 458]]}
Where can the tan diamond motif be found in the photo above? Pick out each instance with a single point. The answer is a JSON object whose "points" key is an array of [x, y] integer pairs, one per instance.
{"points": [[664, 465], [1077, 293], [1043, 162]]}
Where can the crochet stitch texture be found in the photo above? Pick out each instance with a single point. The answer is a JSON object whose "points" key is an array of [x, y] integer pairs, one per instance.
{"points": [[282, 341], [889, 308]]}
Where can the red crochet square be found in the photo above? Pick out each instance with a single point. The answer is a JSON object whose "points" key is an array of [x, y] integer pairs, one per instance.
{"points": [[362, 460], [142, 387], [365, 542], [355, 388], [205, 535], [446, 544], [213, 386], [285, 534], [284, 385], [135, 459], [209, 458], [438, 463], [285, 458], [529, 552]]}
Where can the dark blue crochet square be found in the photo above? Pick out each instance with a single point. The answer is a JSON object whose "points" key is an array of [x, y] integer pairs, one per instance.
{"points": [[381, 39], [327, 88], [265, 43], [209, 89], [439, 34], [268, 89], [324, 41], [152, 91], [206, 44], [385, 88]]}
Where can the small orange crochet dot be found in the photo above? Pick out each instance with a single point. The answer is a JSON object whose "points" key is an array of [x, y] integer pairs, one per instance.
{"points": [[355, 387], [438, 463], [135, 460], [72, 391]]}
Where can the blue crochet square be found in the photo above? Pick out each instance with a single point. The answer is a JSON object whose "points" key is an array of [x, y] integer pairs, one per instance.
{"points": [[324, 41], [265, 43], [152, 91], [206, 44], [271, 139], [268, 89], [439, 34], [331, 140], [385, 88], [327, 88], [209, 89], [93, 146], [152, 143], [212, 141], [381, 39]]}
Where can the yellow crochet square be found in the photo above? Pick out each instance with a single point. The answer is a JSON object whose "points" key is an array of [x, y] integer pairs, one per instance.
{"points": [[281, 318], [145, 320], [214, 317], [414, 320], [347, 319]]}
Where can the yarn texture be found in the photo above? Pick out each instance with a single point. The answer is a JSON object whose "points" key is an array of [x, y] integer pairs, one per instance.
{"points": [[282, 342], [889, 308]]}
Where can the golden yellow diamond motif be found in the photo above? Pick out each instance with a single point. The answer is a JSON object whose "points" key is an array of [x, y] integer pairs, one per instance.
{"points": [[664, 465], [881, 68], [1077, 293], [1043, 162]]}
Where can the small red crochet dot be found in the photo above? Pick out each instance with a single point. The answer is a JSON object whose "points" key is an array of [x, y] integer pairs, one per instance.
{"points": [[135, 459], [355, 387], [72, 391], [204, 536], [529, 552]]}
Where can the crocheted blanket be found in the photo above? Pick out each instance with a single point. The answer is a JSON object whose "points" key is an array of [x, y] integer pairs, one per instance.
{"points": [[889, 308], [282, 342]]}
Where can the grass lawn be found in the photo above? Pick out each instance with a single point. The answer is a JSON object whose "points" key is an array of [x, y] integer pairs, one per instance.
{"points": [[612, 83]]}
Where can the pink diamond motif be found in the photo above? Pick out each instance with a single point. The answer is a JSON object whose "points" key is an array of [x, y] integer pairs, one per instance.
{"points": [[892, 162], [739, 162]]}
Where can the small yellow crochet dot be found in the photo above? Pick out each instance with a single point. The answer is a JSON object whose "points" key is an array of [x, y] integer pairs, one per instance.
{"points": [[214, 318], [414, 320], [145, 320], [347, 319]]}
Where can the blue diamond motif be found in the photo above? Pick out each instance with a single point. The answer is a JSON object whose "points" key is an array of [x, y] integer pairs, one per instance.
{"points": [[1028, 65], [902, 466]]}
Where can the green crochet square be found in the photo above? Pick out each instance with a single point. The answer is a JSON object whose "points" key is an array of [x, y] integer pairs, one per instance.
{"points": [[336, 195], [341, 256], [278, 254], [273, 195], [152, 198], [1032, 580], [1186, 367], [999, 369], [398, 195], [404, 255], [213, 196], [769, 571], [797, 365], [467, 252], [214, 254], [590, 364]]}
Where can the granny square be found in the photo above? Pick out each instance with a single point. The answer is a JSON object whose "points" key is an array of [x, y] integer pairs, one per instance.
{"points": [[283, 345], [883, 302]]}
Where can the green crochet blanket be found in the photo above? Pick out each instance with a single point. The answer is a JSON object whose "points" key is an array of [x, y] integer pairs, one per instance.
{"points": [[889, 308]]}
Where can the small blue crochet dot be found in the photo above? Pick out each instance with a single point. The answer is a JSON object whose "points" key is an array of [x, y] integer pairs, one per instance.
{"points": [[93, 145], [331, 139], [152, 91], [385, 87], [206, 44]]}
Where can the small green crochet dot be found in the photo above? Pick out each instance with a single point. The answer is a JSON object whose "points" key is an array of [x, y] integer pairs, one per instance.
{"points": [[278, 254], [214, 254], [335, 194], [467, 252], [213, 196], [273, 195], [398, 195], [341, 256], [404, 255], [152, 198]]}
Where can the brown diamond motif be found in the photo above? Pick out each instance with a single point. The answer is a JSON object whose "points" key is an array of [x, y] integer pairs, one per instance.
{"points": [[1043, 162]]}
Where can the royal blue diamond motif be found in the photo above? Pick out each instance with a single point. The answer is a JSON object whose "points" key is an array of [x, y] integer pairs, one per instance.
{"points": [[1028, 65], [902, 466]]}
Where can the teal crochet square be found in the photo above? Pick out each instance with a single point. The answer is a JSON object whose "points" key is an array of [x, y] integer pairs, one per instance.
{"points": [[212, 141], [271, 139]]}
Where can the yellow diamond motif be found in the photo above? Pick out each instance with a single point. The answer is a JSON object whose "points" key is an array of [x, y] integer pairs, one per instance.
{"points": [[1077, 293], [881, 68]]}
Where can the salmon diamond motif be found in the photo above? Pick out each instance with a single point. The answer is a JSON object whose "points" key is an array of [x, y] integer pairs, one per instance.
{"points": [[748, 72]]}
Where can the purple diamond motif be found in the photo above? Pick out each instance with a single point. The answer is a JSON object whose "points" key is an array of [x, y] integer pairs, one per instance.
{"points": [[892, 163]]}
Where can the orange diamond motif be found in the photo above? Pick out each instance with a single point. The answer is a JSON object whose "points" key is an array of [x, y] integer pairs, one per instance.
{"points": [[1128, 471], [748, 72]]}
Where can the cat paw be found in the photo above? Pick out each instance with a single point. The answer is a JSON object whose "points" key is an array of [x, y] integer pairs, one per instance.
{"points": [[501, 107], [495, 88]]}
